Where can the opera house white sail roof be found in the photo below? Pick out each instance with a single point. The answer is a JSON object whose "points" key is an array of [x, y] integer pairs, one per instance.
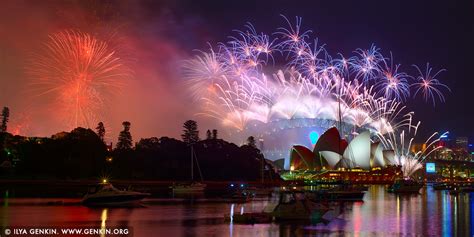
{"points": [[332, 152]]}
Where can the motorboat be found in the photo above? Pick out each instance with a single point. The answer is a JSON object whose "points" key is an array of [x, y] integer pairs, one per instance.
{"points": [[405, 186], [105, 194]]}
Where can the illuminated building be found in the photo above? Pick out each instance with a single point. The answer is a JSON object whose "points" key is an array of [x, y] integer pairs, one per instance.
{"points": [[331, 152], [334, 159], [415, 147]]}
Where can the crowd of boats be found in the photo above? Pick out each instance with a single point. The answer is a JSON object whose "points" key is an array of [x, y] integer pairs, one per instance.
{"points": [[287, 202], [105, 193], [455, 188], [317, 203]]}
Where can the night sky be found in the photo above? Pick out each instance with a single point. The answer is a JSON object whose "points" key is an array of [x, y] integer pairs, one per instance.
{"points": [[163, 33]]}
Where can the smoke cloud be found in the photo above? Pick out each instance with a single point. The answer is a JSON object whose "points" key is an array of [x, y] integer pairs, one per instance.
{"points": [[152, 36]]}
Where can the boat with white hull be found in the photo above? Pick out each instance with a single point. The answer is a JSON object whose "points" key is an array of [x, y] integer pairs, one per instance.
{"points": [[193, 186], [105, 194]]}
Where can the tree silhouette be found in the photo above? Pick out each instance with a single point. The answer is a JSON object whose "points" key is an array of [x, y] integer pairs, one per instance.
{"points": [[100, 129], [5, 117], [190, 133], [214, 134], [251, 142], [125, 137], [208, 135]]}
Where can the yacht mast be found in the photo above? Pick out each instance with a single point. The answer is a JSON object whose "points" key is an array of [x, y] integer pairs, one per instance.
{"points": [[192, 163]]}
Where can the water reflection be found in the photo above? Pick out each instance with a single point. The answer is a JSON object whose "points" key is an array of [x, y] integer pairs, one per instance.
{"points": [[431, 213], [103, 219], [471, 213]]}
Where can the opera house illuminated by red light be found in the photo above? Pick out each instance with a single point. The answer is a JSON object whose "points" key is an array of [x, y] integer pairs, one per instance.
{"points": [[334, 159]]}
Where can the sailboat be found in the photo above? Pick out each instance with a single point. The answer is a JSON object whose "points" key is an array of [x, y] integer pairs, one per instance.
{"points": [[193, 186]]}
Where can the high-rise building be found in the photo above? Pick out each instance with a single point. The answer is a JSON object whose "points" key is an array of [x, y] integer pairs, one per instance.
{"points": [[416, 147]]}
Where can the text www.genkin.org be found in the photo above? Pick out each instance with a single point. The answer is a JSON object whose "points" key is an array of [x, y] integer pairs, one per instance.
{"points": [[66, 231]]}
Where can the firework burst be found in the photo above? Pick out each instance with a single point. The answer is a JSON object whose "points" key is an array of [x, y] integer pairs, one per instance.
{"points": [[365, 91], [79, 72], [401, 144], [429, 86]]}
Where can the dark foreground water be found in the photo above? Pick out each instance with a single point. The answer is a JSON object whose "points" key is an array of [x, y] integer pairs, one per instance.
{"points": [[432, 213]]}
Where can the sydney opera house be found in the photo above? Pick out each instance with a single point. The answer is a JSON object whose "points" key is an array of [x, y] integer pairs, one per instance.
{"points": [[334, 158]]}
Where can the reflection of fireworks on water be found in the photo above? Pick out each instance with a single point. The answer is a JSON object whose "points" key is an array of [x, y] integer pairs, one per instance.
{"points": [[366, 90], [80, 72]]}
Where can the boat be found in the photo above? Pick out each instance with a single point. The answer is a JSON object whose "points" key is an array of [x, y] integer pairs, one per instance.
{"points": [[291, 206], [295, 205], [462, 189], [361, 187], [188, 187], [239, 195], [444, 186], [405, 186], [105, 194], [250, 218], [343, 192], [193, 186], [337, 195]]}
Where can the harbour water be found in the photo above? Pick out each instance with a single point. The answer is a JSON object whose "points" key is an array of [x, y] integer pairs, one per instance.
{"points": [[431, 213]]}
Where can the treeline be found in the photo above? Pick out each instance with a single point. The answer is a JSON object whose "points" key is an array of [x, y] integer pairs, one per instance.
{"points": [[82, 154], [170, 159], [77, 154]]}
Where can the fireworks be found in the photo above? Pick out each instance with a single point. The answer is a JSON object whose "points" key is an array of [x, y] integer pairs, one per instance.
{"points": [[401, 142], [79, 72], [429, 86], [365, 91], [20, 124]]}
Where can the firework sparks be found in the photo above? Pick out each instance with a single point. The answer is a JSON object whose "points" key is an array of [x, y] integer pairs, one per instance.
{"points": [[79, 72], [401, 144], [361, 90], [365, 91], [21, 123], [429, 86]]}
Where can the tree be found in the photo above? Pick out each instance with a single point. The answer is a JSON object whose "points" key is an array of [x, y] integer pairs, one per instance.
{"points": [[5, 116], [251, 142], [208, 135], [214, 134], [152, 143], [125, 137], [190, 133], [100, 129]]}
